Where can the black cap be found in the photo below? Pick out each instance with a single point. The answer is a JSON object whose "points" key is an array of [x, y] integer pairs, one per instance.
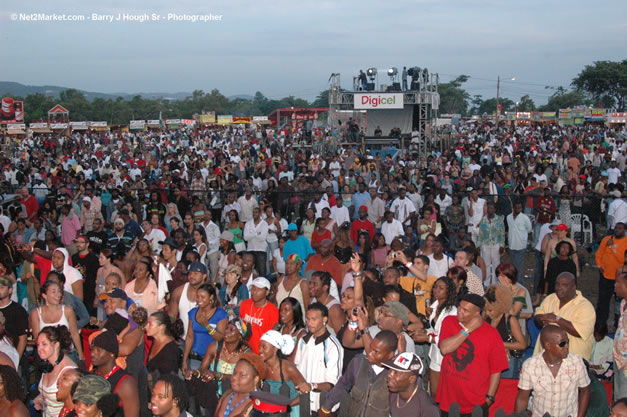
{"points": [[170, 242], [475, 299], [118, 293]]}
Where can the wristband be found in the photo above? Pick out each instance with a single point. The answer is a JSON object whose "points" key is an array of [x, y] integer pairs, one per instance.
{"points": [[353, 325], [211, 330], [464, 332], [490, 397], [324, 410]]}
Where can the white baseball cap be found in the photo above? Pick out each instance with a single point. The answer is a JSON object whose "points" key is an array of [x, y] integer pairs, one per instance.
{"points": [[261, 282]]}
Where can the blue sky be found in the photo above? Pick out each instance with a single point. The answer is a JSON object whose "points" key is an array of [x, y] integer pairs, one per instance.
{"points": [[286, 47]]}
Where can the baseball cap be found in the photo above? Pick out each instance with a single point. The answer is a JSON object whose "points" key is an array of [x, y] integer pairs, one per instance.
{"points": [[562, 226], [555, 222], [398, 310], [364, 208], [261, 282], [90, 389], [4, 280], [170, 242], [405, 362], [87, 199], [197, 267], [292, 226], [118, 293], [118, 220]]}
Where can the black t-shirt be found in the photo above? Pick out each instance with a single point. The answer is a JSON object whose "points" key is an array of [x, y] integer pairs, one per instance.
{"points": [[16, 320], [88, 266], [97, 240]]}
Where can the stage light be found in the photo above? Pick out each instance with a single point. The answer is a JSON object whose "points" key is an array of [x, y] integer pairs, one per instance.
{"points": [[372, 72], [392, 71]]}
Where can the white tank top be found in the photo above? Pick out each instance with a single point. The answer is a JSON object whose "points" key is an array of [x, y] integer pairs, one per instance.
{"points": [[52, 407], [185, 306], [63, 321]]}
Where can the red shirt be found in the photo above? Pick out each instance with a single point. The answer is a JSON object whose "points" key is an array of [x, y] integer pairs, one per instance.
{"points": [[545, 203], [465, 373], [359, 225], [44, 265], [317, 237], [260, 319], [332, 266], [32, 206]]}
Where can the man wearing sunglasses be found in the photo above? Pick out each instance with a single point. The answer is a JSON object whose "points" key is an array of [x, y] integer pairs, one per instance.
{"points": [[558, 378]]}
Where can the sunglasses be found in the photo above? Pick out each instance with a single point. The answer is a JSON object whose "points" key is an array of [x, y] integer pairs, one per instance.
{"points": [[562, 343]]}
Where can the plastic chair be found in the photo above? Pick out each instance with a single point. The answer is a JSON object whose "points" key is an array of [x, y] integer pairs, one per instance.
{"points": [[576, 227]]}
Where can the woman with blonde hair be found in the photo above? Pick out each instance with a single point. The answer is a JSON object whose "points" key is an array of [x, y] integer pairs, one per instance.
{"points": [[497, 312], [172, 212]]}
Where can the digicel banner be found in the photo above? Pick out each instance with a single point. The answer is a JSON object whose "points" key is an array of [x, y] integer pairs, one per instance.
{"points": [[379, 101]]}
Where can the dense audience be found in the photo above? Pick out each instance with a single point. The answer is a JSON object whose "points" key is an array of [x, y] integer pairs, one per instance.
{"points": [[226, 272]]}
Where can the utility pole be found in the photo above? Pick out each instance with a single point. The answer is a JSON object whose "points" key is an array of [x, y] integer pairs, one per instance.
{"points": [[498, 88]]}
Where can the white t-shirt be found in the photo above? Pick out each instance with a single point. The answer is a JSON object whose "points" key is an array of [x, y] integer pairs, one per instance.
{"points": [[391, 230], [154, 237], [439, 268], [612, 175]]}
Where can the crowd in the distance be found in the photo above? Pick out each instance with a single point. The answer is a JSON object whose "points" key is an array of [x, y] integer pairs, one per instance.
{"points": [[202, 271]]}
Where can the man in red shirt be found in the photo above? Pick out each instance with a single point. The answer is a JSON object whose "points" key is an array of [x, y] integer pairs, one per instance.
{"points": [[31, 204], [258, 312], [326, 261], [474, 357], [545, 209], [362, 224]]}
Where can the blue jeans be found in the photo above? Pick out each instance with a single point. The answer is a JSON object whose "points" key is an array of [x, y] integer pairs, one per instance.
{"points": [[515, 365], [517, 257]]}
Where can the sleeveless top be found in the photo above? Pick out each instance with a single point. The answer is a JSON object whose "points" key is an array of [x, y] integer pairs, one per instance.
{"points": [[203, 257], [236, 239], [115, 379], [52, 407], [296, 292], [284, 388], [343, 254], [63, 321], [185, 305]]}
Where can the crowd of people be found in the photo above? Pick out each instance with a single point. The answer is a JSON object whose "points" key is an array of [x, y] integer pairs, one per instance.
{"points": [[235, 272]]}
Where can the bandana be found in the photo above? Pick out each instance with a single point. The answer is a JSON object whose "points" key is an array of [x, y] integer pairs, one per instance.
{"points": [[284, 343]]}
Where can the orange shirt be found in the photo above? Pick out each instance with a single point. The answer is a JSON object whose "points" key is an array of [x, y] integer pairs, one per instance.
{"points": [[332, 266], [610, 256]]}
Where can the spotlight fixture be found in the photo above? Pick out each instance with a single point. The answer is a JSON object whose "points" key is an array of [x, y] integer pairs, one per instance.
{"points": [[392, 71], [372, 73]]}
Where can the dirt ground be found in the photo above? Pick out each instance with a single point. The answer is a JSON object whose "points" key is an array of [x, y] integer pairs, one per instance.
{"points": [[588, 284]]}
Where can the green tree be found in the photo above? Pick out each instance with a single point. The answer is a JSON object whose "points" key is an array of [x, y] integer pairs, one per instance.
{"points": [[322, 100], [453, 98], [489, 106], [563, 99], [476, 102], [526, 104], [605, 81]]}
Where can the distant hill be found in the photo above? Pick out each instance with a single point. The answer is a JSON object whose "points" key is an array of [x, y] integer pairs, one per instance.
{"points": [[9, 88]]}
